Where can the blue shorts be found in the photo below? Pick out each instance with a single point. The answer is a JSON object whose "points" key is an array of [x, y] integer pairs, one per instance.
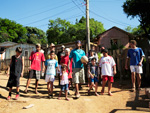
{"points": [[95, 79], [64, 87]]}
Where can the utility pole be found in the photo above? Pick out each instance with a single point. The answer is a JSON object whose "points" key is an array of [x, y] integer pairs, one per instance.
{"points": [[87, 27]]}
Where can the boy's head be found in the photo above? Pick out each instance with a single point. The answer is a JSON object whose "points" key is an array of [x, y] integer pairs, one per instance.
{"points": [[78, 44], [105, 52], [67, 51], [133, 43], [18, 51], [38, 47], [93, 61], [64, 67], [91, 52], [52, 54]]}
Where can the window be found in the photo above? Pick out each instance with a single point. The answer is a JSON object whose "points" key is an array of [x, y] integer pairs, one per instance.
{"points": [[26, 53]]}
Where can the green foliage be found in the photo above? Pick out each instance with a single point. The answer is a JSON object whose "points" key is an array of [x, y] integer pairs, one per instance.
{"points": [[136, 31], [140, 10], [62, 31], [11, 31], [36, 35]]}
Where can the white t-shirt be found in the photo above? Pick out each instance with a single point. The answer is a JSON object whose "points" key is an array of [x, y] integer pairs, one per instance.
{"points": [[106, 64], [51, 66], [64, 79]]}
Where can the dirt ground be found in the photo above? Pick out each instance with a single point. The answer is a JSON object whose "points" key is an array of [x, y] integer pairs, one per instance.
{"points": [[122, 101]]}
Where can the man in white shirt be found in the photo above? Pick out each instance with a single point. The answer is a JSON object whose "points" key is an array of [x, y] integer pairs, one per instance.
{"points": [[107, 70]]}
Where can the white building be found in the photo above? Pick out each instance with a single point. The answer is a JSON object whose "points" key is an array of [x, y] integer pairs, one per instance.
{"points": [[8, 49]]}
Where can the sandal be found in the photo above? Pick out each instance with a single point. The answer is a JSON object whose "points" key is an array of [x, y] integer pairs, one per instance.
{"points": [[67, 99], [110, 94], [133, 89], [59, 98], [96, 94], [26, 91], [102, 92]]}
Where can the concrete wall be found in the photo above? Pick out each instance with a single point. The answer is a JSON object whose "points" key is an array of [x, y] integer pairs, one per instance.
{"points": [[26, 47]]}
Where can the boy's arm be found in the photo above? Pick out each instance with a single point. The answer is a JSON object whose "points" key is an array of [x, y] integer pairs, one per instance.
{"points": [[43, 66], [114, 68], [90, 72], [140, 63], [22, 67], [9, 68], [126, 63], [69, 65]]}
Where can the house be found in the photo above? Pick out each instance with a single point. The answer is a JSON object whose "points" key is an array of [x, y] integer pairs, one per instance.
{"points": [[114, 37], [7, 49]]}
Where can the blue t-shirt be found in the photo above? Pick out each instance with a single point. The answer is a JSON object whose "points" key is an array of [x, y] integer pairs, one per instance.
{"points": [[51, 66], [135, 55], [76, 54]]}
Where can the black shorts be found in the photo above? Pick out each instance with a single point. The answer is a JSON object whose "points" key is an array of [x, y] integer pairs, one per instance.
{"points": [[34, 74]]}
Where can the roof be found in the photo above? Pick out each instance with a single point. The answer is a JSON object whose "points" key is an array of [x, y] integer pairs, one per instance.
{"points": [[7, 44], [10, 44], [127, 33]]}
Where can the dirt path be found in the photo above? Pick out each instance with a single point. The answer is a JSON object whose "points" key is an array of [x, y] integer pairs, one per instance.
{"points": [[123, 101]]}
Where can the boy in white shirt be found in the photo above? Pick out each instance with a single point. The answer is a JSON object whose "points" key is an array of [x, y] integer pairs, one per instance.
{"points": [[64, 82], [107, 70], [51, 66]]}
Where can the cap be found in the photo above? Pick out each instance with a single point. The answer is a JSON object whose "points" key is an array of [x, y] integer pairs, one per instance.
{"points": [[52, 45], [104, 50], [39, 45], [63, 46], [78, 41], [67, 49]]}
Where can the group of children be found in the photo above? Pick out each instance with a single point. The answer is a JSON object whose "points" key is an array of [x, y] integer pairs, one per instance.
{"points": [[104, 69]]}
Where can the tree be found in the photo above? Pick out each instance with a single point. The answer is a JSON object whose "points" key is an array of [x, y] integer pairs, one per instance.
{"points": [[136, 31], [11, 31], [139, 9], [36, 35], [57, 31], [62, 31]]}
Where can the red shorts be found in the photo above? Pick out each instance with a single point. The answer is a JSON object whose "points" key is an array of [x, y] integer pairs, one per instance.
{"points": [[109, 78]]}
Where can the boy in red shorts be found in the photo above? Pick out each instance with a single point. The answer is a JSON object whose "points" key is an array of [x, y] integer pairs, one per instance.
{"points": [[107, 70]]}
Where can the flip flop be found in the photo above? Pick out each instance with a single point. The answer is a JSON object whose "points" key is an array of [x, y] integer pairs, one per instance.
{"points": [[26, 91], [110, 94], [59, 98], [96, 94], [78, 95], [67, 99]]}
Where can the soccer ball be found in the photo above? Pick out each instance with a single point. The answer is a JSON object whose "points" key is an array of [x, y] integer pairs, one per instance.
{"points": [[84, 59]]}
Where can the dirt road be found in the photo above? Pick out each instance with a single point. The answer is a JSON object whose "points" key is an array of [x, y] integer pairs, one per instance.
{"points": [[122, 101]]}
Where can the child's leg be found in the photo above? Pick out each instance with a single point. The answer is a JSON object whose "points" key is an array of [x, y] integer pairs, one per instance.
{"points": [[48, 87], [36, 86], [139, 80], [89, 82], [109, 88], [10, 89], [51, 91], [96, 87], [103, 86], [60, 93], [17, 89], [27, 85], [133, 79]]}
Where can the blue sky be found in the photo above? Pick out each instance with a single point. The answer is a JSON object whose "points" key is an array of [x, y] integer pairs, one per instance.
{"points": [[37, 13]]}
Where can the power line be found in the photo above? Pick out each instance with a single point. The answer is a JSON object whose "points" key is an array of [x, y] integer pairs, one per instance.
{"points": [[65, 19], [107, 19], [115, 19], [78, 6], [69, 9], [43, 11]]}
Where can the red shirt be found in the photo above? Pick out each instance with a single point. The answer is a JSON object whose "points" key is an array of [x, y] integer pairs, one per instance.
{"points": [[65, 60], [36, 59]]}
